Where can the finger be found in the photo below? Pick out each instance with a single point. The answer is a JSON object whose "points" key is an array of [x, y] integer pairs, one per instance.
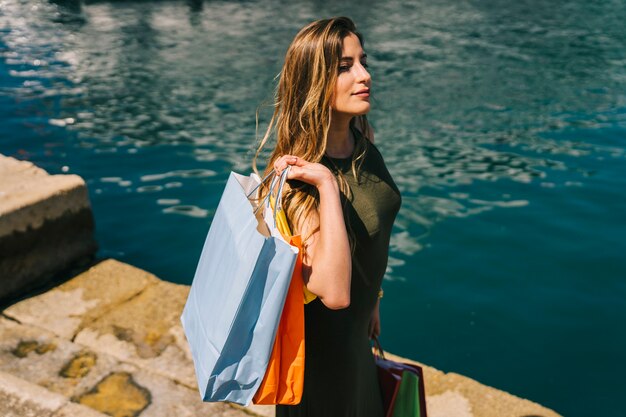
{"points": [[280, 165], [291, 160], [279, 169], [280, 161], [294, 160], [294, 172], [283, 162]]}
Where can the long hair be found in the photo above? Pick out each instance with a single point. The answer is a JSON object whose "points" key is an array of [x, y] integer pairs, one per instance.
{"points": [[302, 115]]}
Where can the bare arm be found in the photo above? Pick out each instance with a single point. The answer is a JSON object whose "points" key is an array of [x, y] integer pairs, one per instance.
{"points": [[327, 263]]}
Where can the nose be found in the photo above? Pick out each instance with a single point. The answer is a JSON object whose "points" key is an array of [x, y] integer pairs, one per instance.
{"points": [[363, 75]]}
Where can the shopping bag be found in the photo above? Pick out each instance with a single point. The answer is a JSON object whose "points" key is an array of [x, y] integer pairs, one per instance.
{"points": [[401, 385], [284, 378], [389, 382], [237, 295], [407, 402]]}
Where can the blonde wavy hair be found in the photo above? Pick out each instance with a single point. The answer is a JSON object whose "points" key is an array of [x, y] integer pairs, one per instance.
{"points": [[302, 115]]}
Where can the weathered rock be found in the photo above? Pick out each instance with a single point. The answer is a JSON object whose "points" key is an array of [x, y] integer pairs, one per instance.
{"points": [[76, 410], [169, 398], [451, 394], [262, 410], [450, 403], [105, 387], [146, 331], [52, 368], [19, 398], [117, 395], [46, 225], [26, 346], [120, 327], [66, 308], [79, 365]]}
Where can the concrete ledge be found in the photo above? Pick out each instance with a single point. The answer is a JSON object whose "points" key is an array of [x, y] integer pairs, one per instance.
{"points": [[451, 394], [19, 398], [46, 225], [67, 308], [146, 331], [115, 326], [57, 377]]}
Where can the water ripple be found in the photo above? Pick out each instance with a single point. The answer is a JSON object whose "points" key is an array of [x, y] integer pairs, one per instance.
{"points": [[482, 109]]}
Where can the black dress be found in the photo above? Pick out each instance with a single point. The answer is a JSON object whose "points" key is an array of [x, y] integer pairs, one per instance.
{"points": [[340, 377]]}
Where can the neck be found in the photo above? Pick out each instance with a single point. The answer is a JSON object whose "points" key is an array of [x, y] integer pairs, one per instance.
{"points": [[340, 143]]}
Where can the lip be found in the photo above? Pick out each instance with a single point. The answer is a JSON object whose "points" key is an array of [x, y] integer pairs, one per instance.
{"points": [[363, 93]]}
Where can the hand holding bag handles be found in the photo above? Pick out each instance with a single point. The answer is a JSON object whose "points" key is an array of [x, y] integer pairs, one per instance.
{"points": [[401, 385]]}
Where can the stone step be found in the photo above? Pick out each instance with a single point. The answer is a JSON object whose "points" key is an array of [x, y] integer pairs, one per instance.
{"points": [[115, 329], [46, 226], [20, 398], [44, 374]]}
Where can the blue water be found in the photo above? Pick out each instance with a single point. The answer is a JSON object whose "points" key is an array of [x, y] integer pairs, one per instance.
{"points": [[503, 124]]}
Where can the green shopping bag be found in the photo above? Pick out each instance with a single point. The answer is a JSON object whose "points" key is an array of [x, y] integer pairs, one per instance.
{"points": [[407, 400]]}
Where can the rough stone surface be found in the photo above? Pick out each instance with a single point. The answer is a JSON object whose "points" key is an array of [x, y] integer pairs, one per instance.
{"points": [[450, 403], [119, 330], [117, 394], [76, 410], [46, 369], [79, 366], [66, 308], [23, 184], [18, 398], [100, 388], [172, 399], [46, 225], [146, 331], [262, 410], [469, 397]]}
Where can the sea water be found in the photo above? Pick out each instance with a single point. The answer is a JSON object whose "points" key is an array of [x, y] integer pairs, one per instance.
{"points": [[503, 124]]}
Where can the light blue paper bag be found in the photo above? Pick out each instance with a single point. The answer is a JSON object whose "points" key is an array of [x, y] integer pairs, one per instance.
{"points": [[238, 292]]}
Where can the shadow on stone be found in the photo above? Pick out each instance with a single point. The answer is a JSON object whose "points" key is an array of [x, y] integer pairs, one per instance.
{"points": [[50, 282]]}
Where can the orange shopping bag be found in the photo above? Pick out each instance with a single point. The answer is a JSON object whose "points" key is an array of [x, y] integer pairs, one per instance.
{"points": [[284, 377]]}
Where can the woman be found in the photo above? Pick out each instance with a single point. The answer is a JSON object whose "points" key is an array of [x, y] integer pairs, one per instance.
{"points": [[341, 199]]}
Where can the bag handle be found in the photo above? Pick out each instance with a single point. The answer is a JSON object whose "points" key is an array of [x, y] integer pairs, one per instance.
{"points": [[279, 197], [278, 206], [259, 184], [380, 352]]}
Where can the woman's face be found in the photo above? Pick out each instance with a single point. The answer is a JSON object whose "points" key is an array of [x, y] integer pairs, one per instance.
{"points": [[352, 95]]}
